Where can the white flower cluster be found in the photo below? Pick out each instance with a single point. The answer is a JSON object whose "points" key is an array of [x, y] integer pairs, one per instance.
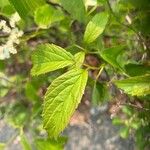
{"points": [[13, 38]]}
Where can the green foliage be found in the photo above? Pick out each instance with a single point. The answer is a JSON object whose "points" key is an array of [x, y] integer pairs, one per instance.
{"points": [[111, 56], [136, 86], [100, 93], [75, 8], [50, 144], [49, 57], [137, 69], [26, 7], [46, 15], [61, 100], [79, 59], [95, 27]]}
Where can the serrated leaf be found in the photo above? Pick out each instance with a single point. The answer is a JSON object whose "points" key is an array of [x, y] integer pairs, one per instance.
{"points": [[61, 100], [110, 55], [75, 7], [49, 57], [95, 27], [100, 93], [26, 7], [46, 15], [136, 86], [137, 69]]}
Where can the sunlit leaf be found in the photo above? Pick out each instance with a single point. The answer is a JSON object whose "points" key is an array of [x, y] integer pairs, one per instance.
{"points": [[61, 100], [50, 144], [136, 86], [79, 59], [49, 57], [95, 27]]}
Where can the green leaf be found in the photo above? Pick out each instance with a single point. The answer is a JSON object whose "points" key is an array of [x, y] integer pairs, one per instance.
{"points": [[111, 55], [76, 8], [50, 144], [31, 92], [61, 100], [49, 57], [95, 27], [26, 7], [124, 132], [79, 59], [137, 69], [117, 121], [136, 86], [46, 15], [100, 93]]}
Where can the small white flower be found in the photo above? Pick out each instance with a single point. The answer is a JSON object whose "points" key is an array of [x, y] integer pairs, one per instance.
{"points": [[13, 38], [6, 29], [14, 19]]}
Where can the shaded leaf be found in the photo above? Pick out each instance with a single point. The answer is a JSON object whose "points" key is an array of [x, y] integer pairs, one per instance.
{"points": [[100, 93], [26, 7], [136, 86], [110, 55], [124, 132], [31, 92], [49, 57], [46, 15], [95, 27], [137, 69], [76, 8], [61, 100]]}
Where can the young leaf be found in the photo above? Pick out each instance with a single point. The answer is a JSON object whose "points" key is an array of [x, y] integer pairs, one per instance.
{"points": [[111, 55], [75, 7], [137, 69], [26, 7], [100, 93], [79, 59], [95, 27], [46, 15], [136, 86], [61, 100], [49, 57]]}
